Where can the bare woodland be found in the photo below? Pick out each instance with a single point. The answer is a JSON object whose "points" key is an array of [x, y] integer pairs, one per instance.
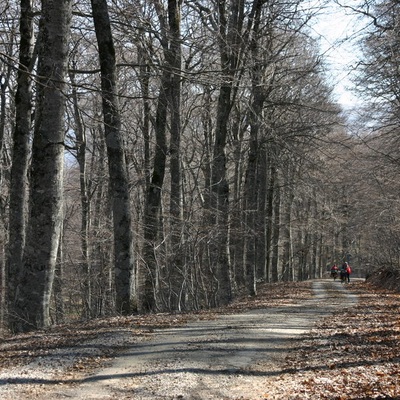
{"points": [[165, 156]]}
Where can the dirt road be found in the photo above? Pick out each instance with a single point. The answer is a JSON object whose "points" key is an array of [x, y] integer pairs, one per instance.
{"points": [[231, 357], [227, 358]]}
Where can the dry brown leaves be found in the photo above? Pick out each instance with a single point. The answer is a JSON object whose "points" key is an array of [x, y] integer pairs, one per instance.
{"points": [[353, 354], [272, 295], [23, 348]]}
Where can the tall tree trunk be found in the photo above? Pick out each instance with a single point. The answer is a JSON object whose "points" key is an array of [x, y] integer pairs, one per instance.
{"points": [[205, 276], [59, 288], [20, 158], [220, 205], [119, 185], [269, 213], [176, 274], [236, 237], [144, 79], [276, 229], [46, 190], [287, 203], [261, 223], [3, 294], [4, 84], [4, 78], [85, 204], [169, 97], [102, 299], [229, 37], [148, 269], [251, 214], [252, 181]]}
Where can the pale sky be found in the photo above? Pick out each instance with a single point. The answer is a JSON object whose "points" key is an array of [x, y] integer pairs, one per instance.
{"points": [[337, 29]]}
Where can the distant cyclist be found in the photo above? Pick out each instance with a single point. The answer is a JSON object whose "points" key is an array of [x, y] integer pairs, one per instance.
{"points": [[334, 271]]}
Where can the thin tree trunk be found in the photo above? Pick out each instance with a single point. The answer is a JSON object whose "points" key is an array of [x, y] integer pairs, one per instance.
{"points": [[144, 78], [269, 215], [102, 300], [251, 213], [4, 78], [149, 272], [148, 269], [236, 239], [261, 225], [220, 205], [252, 186], [3, 319], [119, 185], [205, 276], [85, 204], [287, 273], [176, 274], [252, 183], [276, 229], [46, 190], [59, 282]]}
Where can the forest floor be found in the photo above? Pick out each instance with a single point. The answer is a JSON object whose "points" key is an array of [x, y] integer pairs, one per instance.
{"points": [[307, 340]]}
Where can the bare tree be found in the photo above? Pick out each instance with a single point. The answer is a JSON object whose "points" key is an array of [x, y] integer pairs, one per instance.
{"points": [[168, 104], [123, 249], [46, 185], [175, 273], [21, 154]]}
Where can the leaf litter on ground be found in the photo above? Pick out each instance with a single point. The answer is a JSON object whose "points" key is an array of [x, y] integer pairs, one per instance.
{"points": [[352, 354]]}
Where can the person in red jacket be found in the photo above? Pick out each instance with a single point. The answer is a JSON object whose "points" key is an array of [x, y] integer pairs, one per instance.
{"points": [[347, 270], [334, 271]]}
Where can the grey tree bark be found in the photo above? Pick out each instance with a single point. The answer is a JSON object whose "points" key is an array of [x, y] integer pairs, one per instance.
{"points": [[148, 270], [252, 186], [230, 30], [59, 283], [175, 273], [287, 205], [85, 203], [46, 189], [276, 226], [123, 248], [20, 157], [168, 100]]}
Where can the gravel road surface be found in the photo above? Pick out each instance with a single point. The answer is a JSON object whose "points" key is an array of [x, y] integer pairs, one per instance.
{"points": [[231, 357]]}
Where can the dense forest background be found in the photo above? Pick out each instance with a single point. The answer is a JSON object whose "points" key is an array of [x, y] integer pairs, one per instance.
{"points": [[165, 155]]}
